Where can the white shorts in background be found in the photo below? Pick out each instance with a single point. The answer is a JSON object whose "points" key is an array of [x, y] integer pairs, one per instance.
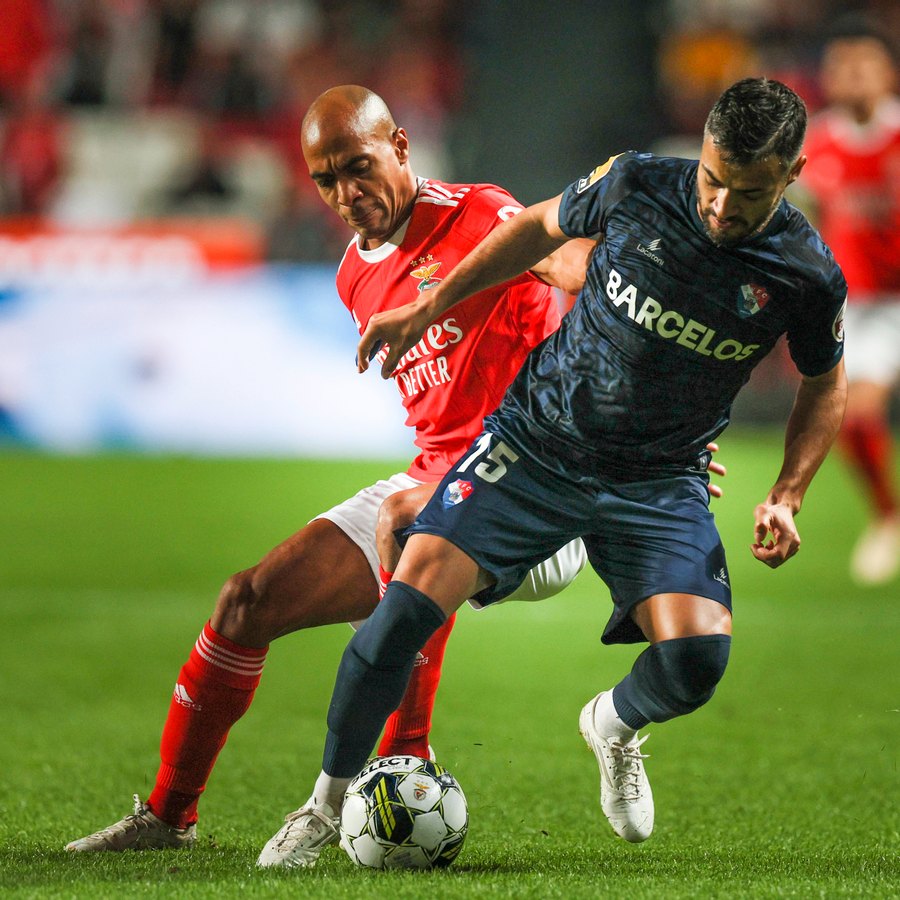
{"points": [[872, 347], [357, 517], [551, 576]]}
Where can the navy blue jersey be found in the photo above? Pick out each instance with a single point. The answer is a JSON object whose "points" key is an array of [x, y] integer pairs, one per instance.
{"points": [[668, 327]]}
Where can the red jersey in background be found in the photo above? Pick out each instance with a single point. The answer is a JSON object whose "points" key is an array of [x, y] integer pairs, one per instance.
{"points": [[854, 173], [461, 368]]}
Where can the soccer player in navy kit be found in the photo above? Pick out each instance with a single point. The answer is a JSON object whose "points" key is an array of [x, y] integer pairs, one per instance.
{"points": [[700, 268]]}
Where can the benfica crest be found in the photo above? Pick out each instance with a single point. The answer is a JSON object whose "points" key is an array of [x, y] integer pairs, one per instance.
{"points": [[425, 274], [753, 299]]}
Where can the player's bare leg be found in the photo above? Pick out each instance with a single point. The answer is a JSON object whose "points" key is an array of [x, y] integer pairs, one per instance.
{"points": [[865, 440], [407, 728], [316, 577], [689, 639]]}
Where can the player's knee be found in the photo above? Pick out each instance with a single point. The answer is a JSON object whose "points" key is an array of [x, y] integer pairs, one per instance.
{"points": [[691, 668], [245, 611], [401, 624], [395, 512]]}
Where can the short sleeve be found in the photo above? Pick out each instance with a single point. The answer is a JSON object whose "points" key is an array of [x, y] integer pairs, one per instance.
{"points": [[816, 335], [486, 207], [586, 204]]}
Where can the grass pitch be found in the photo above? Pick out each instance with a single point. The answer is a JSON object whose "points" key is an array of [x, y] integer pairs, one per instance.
{"points": [[785, 785]]}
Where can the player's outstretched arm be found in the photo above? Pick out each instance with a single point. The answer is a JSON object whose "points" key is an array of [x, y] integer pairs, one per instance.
{"points": [[566, 267], [509, 250], [811, 430]]}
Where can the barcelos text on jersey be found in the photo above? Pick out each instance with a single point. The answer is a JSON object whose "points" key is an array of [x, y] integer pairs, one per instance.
{"points": [[672, 325], [424, 365]]}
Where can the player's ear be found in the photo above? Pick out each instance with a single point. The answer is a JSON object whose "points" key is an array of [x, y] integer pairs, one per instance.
{"points": [[401, 145], [796, 169]]}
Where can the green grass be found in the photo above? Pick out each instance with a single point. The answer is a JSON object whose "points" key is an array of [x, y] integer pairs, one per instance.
{"points": [[785, 785]]}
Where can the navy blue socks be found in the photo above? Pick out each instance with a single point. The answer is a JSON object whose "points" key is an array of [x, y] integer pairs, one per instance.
{"points": [[671, 678], [373, 675]]}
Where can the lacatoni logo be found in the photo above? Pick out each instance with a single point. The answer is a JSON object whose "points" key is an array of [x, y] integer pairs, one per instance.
{"points": [[456, 492], [670, 324], [649, 250]]}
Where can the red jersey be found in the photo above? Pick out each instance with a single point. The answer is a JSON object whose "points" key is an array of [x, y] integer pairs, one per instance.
{"points": [[854, 172], [461, 368]]}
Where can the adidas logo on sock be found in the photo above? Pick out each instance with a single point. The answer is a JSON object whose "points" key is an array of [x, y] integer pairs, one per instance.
{"points": [[183, 698], [421, 660]]}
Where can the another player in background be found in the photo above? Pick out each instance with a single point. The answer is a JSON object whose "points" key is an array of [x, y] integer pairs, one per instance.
{"points": [[410, 233], [701, 267], [854, 175]]}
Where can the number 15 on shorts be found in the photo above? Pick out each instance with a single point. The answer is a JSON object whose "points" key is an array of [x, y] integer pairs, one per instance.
{"points": [[494, 466]]}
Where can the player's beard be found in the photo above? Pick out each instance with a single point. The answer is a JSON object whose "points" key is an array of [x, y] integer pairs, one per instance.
{"points": [[724, 239]]}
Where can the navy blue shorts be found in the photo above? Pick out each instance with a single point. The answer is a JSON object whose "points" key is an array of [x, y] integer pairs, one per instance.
{"points": [[509, 513]]}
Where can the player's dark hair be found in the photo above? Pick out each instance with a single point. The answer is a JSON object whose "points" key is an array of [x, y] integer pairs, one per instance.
{"points": [[755, 119]]}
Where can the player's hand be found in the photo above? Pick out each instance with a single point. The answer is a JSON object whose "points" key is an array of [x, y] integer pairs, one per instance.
{"points": [[395, 331], [715, 490], [775, 521]]}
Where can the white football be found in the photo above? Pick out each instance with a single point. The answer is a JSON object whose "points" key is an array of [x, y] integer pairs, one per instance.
{"points": [[403, 812]]}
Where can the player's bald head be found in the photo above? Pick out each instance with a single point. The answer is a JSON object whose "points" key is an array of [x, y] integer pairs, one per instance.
{"points": [[346, 111], [359, 160]]}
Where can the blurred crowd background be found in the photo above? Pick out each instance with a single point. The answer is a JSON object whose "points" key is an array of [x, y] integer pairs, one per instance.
{"points": [[121, 110], [150, 148]]}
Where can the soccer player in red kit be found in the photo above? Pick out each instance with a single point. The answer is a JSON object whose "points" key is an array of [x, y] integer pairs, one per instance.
{"points": [[409, 233], [854, 174]]}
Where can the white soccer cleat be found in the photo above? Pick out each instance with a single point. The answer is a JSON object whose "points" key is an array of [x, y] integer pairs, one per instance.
{"points": [[876, 557], [304, 835], [625, 795], [139, 831]]}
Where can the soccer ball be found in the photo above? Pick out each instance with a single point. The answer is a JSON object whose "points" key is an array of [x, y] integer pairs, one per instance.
{"points": [[403, 812]]}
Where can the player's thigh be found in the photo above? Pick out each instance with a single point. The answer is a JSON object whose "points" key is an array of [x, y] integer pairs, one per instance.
{"points": [[665, 617], [318, 576], [323, 574]]}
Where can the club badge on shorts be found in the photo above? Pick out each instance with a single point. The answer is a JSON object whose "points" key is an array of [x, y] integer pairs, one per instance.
{"points": [[456, 492]]}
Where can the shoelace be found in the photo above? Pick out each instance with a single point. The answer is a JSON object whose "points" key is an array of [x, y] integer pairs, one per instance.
{"points": [[134, 819], [292, 834], [627, 767]]}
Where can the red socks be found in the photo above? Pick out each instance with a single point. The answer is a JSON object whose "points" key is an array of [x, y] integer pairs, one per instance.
{"points": [[213, 691], [867, 444], [406, 731], [215, 688]]}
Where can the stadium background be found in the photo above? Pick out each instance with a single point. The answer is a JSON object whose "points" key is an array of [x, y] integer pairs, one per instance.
{"points": [[164, 260], [166, 300]]}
